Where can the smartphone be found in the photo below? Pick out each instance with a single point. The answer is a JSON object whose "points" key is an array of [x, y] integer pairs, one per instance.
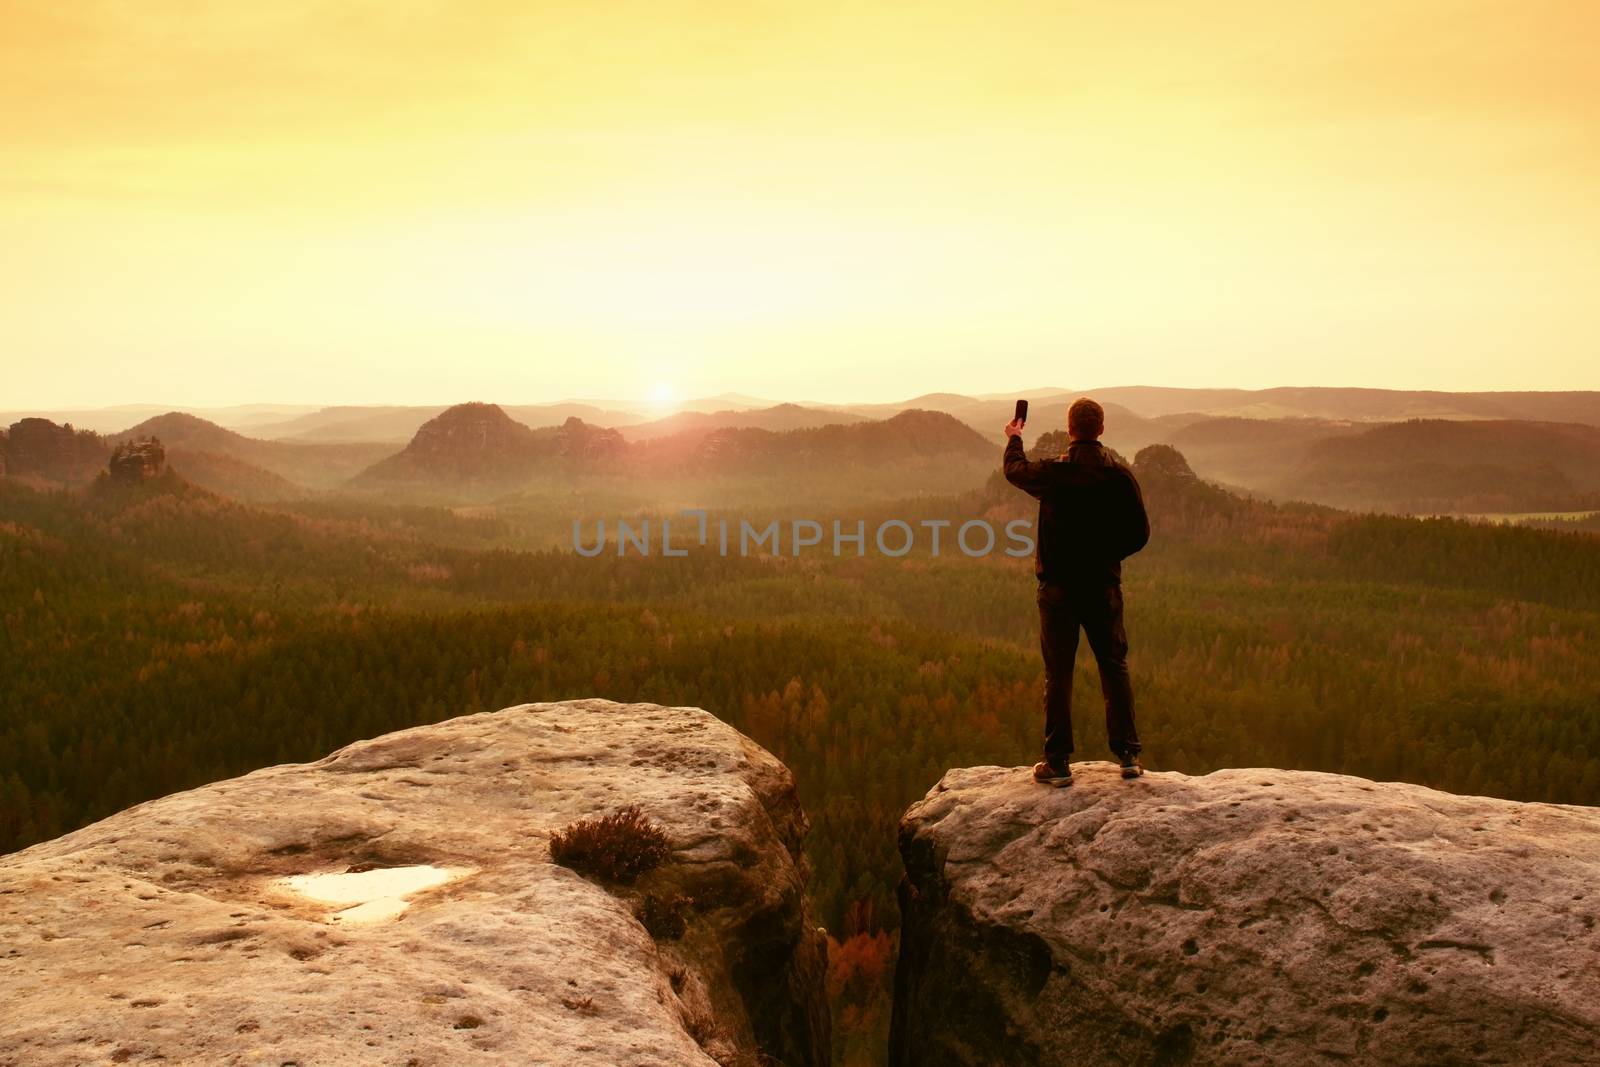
{"points": [[1022, 411]]}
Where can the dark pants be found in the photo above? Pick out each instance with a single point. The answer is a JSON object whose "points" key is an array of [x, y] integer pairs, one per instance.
{"points": [[1098, 609]]}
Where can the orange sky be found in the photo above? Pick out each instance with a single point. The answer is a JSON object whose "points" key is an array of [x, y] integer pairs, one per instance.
{"points": [[418, 201]]}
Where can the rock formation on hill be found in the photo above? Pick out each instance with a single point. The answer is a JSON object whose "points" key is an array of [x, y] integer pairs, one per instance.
{"points": [[577, 440], [475, 442], [133, 462], [471, 430], [1243, 917], [396, 903]]}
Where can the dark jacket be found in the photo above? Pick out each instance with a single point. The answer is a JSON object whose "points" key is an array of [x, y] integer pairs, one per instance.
{"points": [[1091, 513]]}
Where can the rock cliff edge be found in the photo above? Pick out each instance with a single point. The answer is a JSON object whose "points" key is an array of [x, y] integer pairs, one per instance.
{"points": [[395, 903], [1243, 917]]}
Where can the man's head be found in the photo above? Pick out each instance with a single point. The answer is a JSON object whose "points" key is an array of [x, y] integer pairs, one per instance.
{"points": [[1086, 420]]}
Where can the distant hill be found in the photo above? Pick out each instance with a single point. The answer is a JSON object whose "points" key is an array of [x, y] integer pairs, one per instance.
{"points": [[473, 442], [178, 429], [100, 420], [1254, 453], [350, 424], [41, 452], [479, 445], [908, 436], [912, 453], [396, 423], [719, 402], [539, 416], [910, 433], [940, 401], [1047, 411], [471, 449], [246, 417], [1358, 405], [949, 403], [188, 438], [777, 418], [227, 476], [400, 424], [1173, 492], [111, 419], [1431, 465]]}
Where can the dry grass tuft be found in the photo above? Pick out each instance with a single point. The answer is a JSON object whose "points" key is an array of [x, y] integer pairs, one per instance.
{"points": [[618, 847]]}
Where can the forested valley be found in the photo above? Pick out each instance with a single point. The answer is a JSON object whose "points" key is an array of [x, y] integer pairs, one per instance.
{"points": [[159, 636]]}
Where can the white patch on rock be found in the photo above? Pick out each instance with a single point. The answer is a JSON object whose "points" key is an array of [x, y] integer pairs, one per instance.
{"points": [[371, 896]]}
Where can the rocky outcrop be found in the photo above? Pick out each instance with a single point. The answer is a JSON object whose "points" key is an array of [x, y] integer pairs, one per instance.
{"points": [[1243, 917], [133, 462], [395, 903], [473, 442], [580, 442]]}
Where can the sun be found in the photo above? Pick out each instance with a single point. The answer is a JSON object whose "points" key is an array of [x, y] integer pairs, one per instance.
{"points": [[663, 396]]}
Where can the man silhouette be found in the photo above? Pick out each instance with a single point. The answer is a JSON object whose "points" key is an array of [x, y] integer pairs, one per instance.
{"points": [[1091, 518]]}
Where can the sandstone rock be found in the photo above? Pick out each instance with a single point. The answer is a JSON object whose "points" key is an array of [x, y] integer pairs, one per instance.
{"points": [[133, 462], [1243, 917], [171, 932], [473, 442], [577, 440]]}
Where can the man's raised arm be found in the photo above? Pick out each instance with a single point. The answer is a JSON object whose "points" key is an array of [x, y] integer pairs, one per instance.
{"points": [[1022, 472]]}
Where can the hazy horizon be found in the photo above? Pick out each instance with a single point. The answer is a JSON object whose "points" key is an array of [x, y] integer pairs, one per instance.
{"points": [[660, 405]]}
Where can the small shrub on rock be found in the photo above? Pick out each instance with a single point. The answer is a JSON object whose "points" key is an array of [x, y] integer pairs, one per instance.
{"points": [[619, 847], [665, 915]]}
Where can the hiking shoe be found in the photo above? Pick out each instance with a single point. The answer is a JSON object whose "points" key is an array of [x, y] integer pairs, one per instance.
{"points": [[1045, 773], [1131, 767]]}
